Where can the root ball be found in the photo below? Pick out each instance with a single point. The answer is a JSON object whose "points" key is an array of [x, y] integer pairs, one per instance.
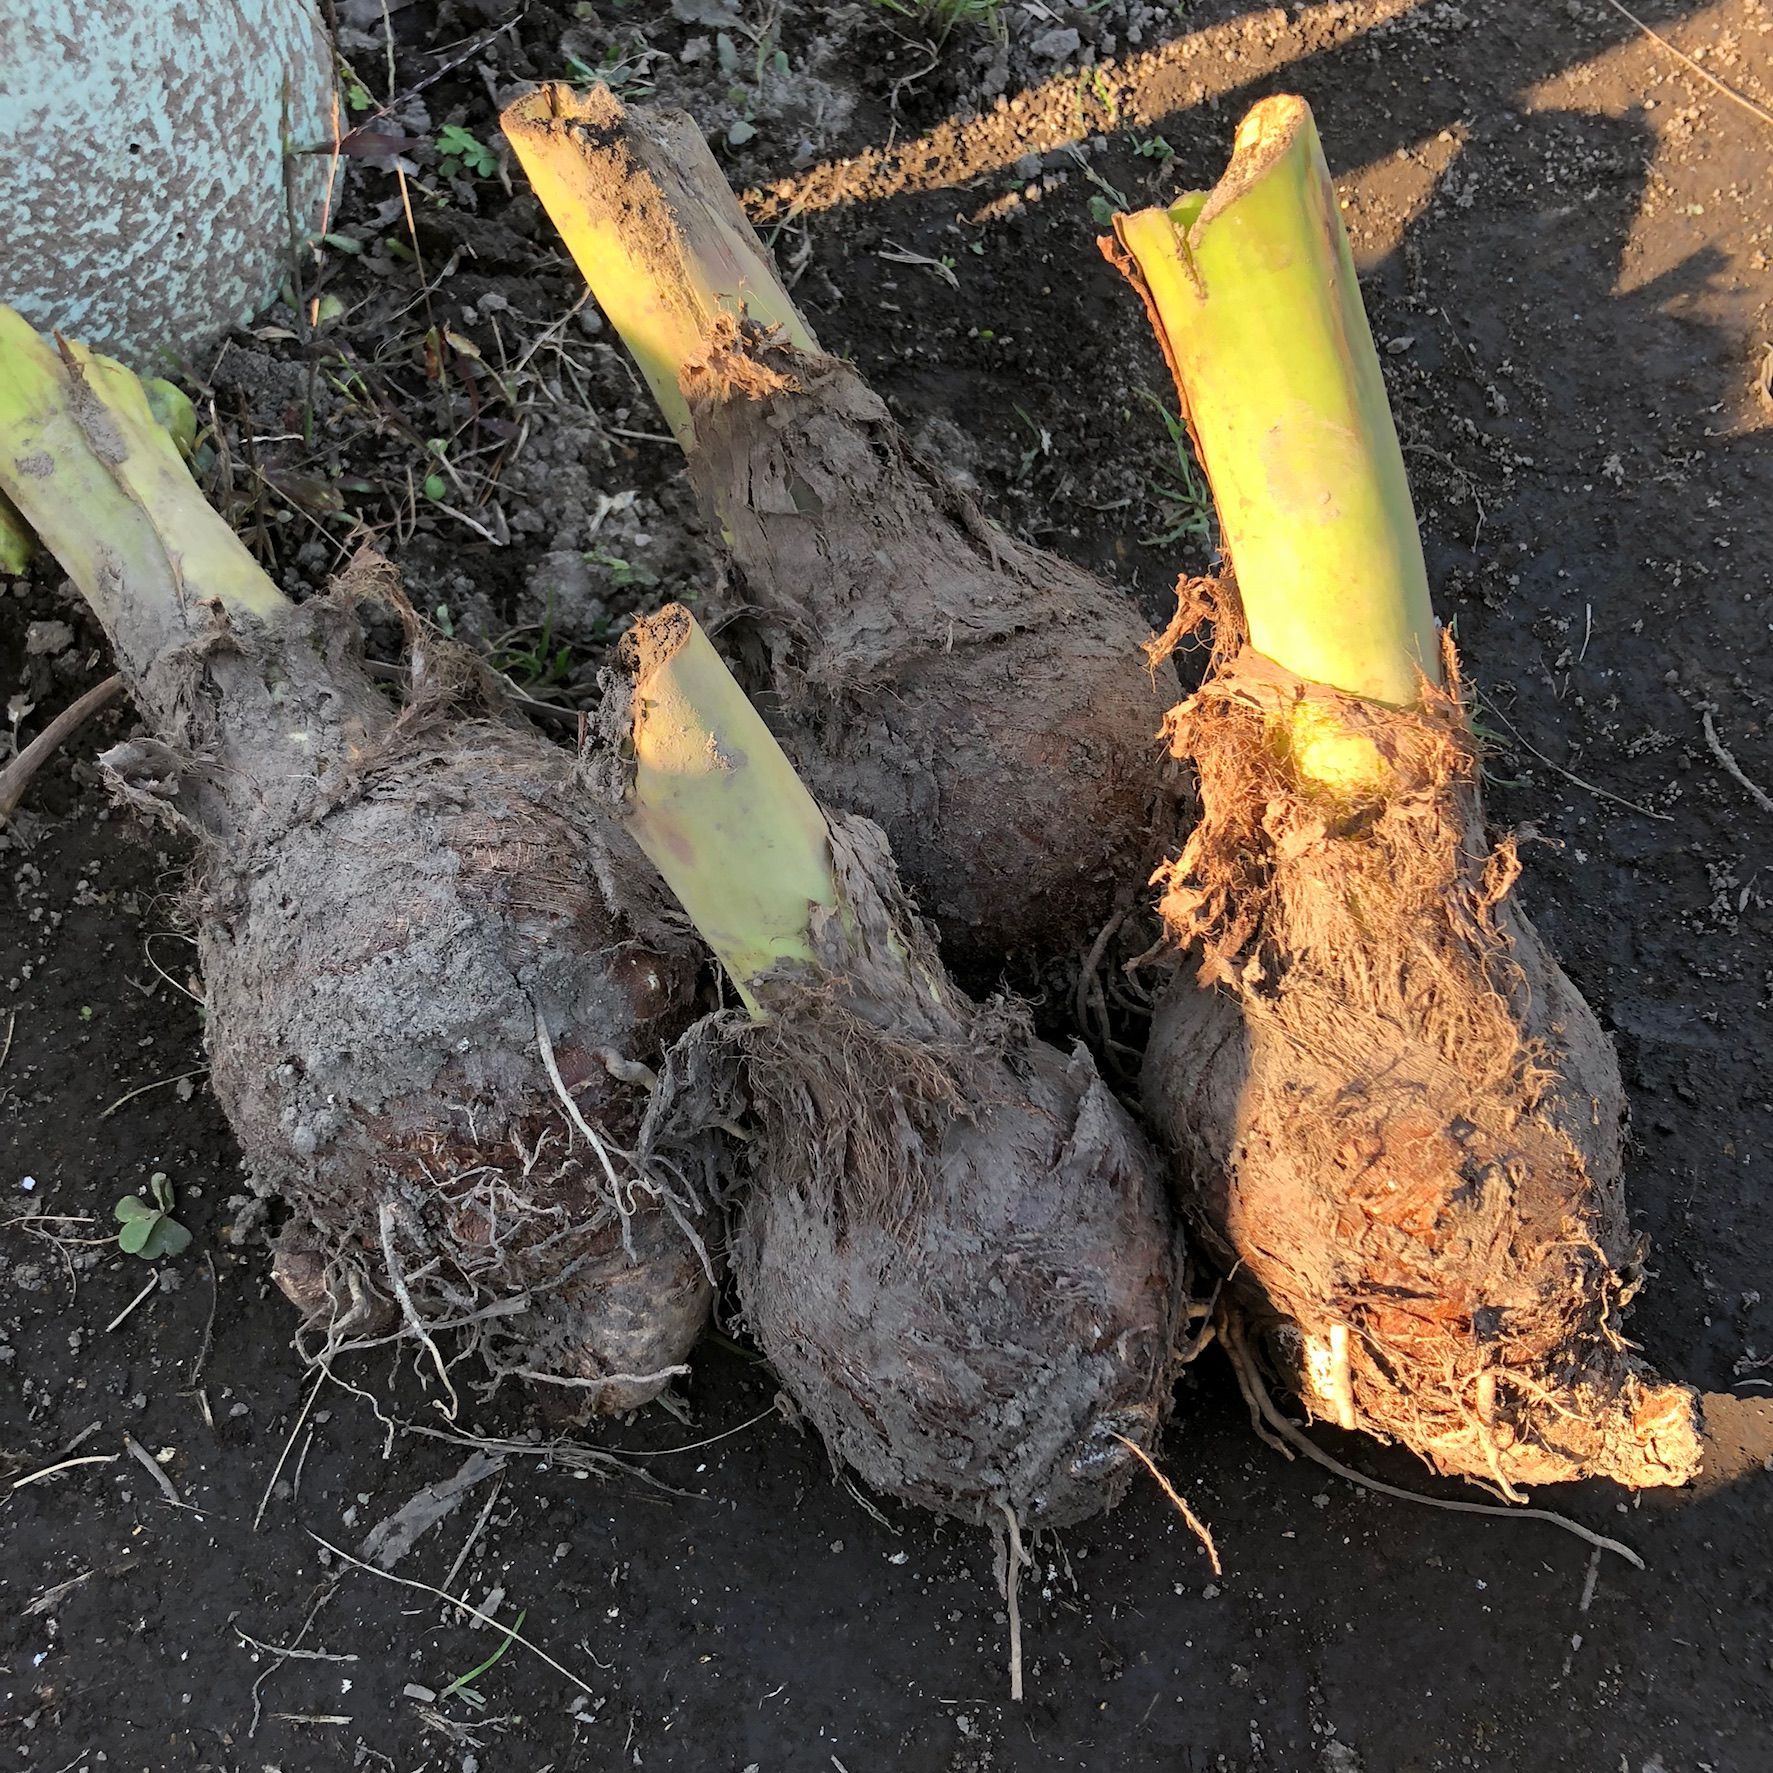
{"points": [[1403, 1121]]}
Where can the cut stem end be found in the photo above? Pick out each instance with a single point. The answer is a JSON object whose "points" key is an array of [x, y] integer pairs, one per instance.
{"points": [[1251, 288], [655, 230], [95, 474], [716, 805]]}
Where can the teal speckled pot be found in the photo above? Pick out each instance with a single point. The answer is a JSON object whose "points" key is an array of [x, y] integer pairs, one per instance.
{"points": [[143, 202]]}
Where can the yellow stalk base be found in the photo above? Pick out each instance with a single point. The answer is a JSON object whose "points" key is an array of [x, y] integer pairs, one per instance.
{"points": [[667, 253], [172, 409], [1252, 290], [95, 474], [17, 542], [717, 808]]}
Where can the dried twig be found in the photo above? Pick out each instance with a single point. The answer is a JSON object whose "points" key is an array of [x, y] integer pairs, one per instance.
{"points": [[277, 1470], [1731, 767], [48, 1599], [466, 1607], [284, 1651], [56, 1470], [473, 1538], [1704, 74], [16, 777], [203, 1348], [153, 1283], [291, 1650], [391, 1539], [152, 1467], [159, 1083]]}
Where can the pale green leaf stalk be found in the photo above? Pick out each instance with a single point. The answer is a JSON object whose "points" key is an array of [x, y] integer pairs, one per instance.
{"points": [[17, 544], [1252, 290], [717, 808], [101, 482], [665, 262], [172, 409]]}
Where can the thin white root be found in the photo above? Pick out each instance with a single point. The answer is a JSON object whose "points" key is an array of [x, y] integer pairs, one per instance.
{"points": [[572, 1108], [1250, 1388], [1486, 1409], [1341, 1384], [1196, 1524], [601, 1382], [628, 1071], [1015, 1559], [397, 1280], [1256, 1395]]}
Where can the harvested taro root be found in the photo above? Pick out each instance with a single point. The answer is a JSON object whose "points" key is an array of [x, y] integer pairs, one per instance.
{"points": [[436, 980], [1399, 1123], [954, 1245], [984, 702]]}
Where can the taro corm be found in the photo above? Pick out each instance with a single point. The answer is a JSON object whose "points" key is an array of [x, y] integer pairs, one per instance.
{"points": [[436, 980], [955, 1246], [1400, 1124], [981, 700]]}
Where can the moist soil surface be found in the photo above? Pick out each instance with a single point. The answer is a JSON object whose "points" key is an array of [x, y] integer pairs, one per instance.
{"points": [[1564, 237]]}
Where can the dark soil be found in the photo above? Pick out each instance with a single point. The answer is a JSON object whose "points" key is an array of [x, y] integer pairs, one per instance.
{"points": [[1565, 237]]}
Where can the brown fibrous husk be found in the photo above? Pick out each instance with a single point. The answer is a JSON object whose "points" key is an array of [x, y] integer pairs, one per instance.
{"points": [[956, 1248], [389, 906], [983, 701], [1399, 1124]]}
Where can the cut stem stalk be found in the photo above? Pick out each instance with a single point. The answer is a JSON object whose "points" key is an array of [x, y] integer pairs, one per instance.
{"points": [[717, 807], [96, 476], [1252, 290], [666, 256], [17, 544]]}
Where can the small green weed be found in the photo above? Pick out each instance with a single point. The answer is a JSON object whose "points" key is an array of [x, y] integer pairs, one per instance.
{"points": [[1108, 198], [537, 664], [943, 17], [461, 150], [627, 574], [623, 71], [1182, 494], [357, 95], [464, 1684], [149, 1230], [435, 485], [1041, 446], [1096, 85]]}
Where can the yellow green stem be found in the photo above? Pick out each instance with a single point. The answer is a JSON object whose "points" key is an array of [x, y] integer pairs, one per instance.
{"points": [[653, 227], [99, 479], [1252, 290], [17, 543], [172, 410], [717, 807]]}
